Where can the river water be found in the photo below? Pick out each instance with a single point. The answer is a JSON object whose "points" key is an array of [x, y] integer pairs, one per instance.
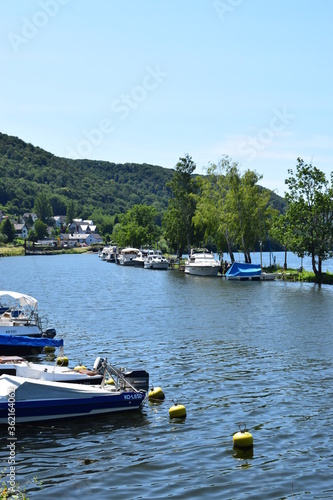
{"points": [[258, 353]]}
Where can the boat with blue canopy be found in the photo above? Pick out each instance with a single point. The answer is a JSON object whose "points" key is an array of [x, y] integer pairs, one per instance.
{"points": [[248, 272]]}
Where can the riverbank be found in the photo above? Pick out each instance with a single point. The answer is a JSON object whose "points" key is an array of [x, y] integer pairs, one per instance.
{"points": [[305, 276], [19, 251], [282, 274]]}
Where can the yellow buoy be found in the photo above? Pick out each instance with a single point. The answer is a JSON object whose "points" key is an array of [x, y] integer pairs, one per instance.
{"points": [[62, 361], [156, 393], [49, 348], [243, 440], [177, 411], [79, 367]]}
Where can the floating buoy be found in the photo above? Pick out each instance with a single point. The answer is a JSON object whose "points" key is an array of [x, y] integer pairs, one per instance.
{"points": [[243, 440], [156, 393], [62, 361], [177, 411], [79, 367], [49, 348]]}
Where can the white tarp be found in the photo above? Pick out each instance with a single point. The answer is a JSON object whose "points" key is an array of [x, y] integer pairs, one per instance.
{"points": [[24, 300]]}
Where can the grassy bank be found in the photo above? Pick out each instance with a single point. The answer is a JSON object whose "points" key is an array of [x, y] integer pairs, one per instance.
{"points": [[15, 251], [305, 276]]}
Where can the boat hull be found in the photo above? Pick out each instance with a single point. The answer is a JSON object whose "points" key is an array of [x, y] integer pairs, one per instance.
{"points": [[162, 266], [56, 409], [201, 270], [24, 330], [39, 401]]}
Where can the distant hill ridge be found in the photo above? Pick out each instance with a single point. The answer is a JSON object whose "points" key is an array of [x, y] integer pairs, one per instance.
{"points": [[113, 188]]}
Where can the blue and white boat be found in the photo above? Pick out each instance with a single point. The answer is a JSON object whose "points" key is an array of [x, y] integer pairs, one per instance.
{"points": [[248, 272], [20, 367], [32, 400], [19, 316]]}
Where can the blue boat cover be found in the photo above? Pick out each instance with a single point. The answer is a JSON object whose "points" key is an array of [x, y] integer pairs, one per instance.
{"points": [[243, 270], [21, 340]]}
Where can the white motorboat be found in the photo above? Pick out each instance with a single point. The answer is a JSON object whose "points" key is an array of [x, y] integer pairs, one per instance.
{"points": [[19, 316], [20, 367], [139, 260], [29, 400], [155, 260], [127, 256], [201, 262], [108, 253]]}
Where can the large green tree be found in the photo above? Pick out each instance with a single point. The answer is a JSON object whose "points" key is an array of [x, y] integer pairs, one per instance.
{"points": [[40, 229], [306, 228], [70, 212], [8, 229], [138, 227], [210, 214], [43, 208], [248, 209], [177, 221], [234, 210]]}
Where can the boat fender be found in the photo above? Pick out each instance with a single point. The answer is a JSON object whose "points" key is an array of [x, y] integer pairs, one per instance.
{"points": [[243, 440], [49, 348], [177, 411], [62, 361], [156, 393], [110, 381], [78, 368]]}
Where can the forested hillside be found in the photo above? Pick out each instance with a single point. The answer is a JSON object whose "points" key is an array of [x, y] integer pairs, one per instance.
{"points": [[26, 170], [114, 188]]}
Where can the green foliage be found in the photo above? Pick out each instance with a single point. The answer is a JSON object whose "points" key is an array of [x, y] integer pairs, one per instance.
{"points": [[8, 230], [43, 208], [177, 221], [138, 227], [103, 191], [113, 188], [40, 229], [232, 209], [70, 212], [307, 226]]}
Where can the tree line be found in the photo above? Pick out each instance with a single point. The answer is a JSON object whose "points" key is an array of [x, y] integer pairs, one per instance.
{"points": [[174, 209], [231, 211]]}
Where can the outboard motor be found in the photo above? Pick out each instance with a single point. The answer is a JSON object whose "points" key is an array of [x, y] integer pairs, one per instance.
{"points": [[139, 379], [49, 333], [99, 363]]}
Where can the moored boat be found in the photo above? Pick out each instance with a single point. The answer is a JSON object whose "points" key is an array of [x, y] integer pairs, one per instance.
{"points": [[155, 260], [201, 262], [20, 367], [44, 400], [19, 316], [127, 256], [248, 272]]}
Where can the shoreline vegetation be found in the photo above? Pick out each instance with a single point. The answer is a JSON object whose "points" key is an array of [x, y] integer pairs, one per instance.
{"points": [[282, 274]]}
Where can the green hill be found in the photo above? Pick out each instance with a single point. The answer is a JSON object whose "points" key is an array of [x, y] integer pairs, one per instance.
{"points": [[113, 188]]}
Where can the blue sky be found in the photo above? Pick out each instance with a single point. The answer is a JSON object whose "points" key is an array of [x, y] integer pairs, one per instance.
{"points": [[147, 81]]}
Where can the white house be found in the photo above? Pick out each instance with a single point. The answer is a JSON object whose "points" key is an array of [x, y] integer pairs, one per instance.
{"points": [[78, 239], [76, 225]]}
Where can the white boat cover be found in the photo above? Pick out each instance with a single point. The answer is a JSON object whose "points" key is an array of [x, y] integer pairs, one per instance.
{"points": [[28, 389], [24, 300]]}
